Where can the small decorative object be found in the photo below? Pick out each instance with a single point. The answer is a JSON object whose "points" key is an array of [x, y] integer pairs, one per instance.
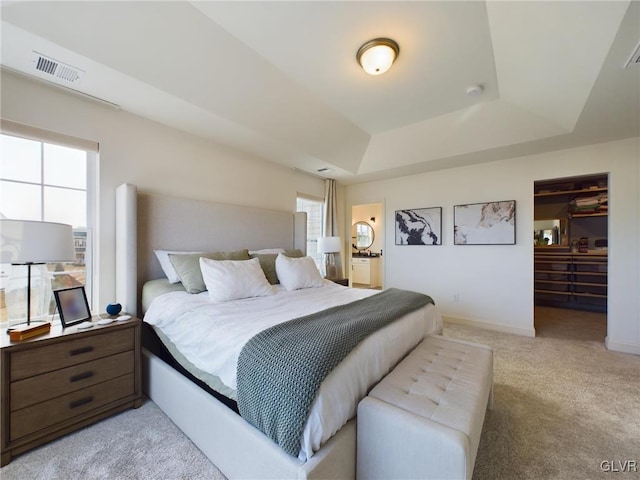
{"points": [[72, 306], [419, 226], [27, 331], [114, 309], [583, 245], [492, 223]]}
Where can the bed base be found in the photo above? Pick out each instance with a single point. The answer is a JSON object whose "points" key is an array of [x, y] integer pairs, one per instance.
{"points": [[238, 449]]}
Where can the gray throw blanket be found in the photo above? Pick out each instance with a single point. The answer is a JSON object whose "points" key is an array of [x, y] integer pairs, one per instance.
{"points": [[280, 369]]}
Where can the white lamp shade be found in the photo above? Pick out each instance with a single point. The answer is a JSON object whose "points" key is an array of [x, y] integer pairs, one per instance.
{"points": [[25, 241], [328, 244]]}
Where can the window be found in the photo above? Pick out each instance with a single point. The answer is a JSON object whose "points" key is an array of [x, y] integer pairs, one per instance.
{"points": [[48, 182], [315, 220]]}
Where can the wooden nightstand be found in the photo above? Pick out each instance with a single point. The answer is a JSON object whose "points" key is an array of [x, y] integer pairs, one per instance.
{"points": [[62, 381], [340, 281]]}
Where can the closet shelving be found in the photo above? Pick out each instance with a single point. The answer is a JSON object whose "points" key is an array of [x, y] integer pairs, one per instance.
{"points": [[562, 275]]}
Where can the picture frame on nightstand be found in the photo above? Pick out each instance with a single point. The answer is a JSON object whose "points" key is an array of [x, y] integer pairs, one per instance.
{"points": [[73, 306]]}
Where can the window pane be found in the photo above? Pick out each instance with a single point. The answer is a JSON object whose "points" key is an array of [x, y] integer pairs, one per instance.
{"points": [[20, 201], [19, 159], [65, 167], [65, 206], [314, 209]]}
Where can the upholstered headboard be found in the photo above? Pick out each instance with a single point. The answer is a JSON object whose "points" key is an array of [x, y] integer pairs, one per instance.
{"points": [[146, 222]]}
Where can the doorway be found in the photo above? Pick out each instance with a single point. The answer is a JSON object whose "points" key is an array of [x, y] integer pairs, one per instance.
{"points": [[570, 238], [366, 264]]}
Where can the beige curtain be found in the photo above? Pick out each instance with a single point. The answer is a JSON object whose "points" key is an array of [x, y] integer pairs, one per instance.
{"points": [[330, 228]]}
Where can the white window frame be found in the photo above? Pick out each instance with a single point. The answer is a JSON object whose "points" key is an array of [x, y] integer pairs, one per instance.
{"points": [[317, 258], [10, 128]]}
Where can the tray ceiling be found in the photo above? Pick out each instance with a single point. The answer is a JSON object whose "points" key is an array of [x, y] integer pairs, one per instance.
{"points": [[280, 79]]}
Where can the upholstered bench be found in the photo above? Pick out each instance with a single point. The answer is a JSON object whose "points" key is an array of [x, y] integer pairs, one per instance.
{"points": [[424, 419]]}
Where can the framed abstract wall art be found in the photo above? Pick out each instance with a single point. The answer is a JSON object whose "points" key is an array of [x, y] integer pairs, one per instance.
{"points": [[419, 226], [491, 223]]}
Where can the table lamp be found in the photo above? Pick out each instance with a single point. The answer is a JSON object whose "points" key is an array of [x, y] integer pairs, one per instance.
{"points": [[26, 242], [328, 246]]}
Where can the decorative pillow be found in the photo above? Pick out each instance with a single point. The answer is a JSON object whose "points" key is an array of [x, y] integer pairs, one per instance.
{"points": [[234, 279], [188, 267], [296, 273], [268, 262], [167, 266]]}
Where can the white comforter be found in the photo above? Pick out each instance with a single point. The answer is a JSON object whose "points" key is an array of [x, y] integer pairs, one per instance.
{"points": [[211, 336]]}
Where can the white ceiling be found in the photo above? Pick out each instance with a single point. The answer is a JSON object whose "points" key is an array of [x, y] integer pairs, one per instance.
{"points": [[280, 79]]}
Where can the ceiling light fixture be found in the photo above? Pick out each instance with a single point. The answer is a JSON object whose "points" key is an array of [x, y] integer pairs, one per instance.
{"points": [[377, 55]]}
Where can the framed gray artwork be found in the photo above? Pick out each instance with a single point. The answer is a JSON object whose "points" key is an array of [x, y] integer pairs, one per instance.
{"points": [[490, 223]]}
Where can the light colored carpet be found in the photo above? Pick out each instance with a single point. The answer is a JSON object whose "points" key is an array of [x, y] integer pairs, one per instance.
{"points": [[135, 444], [563, 404]]}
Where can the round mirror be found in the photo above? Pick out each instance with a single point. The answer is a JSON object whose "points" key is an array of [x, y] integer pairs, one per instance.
{"points": [[362, 235]]}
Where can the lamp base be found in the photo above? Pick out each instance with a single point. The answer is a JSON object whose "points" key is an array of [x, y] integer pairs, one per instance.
{"points": [[28, 293], [28, 331], [331, 271], [21, 325]]}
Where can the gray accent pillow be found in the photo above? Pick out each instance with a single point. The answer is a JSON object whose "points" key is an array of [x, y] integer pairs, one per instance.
{"points": [[268, 263], [188, 267]]}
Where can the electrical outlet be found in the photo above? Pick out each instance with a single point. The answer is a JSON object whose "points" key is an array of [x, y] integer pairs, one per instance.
{"points": [[456, 298]]}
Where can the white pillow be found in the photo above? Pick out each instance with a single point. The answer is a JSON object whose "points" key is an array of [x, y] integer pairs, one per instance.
{"points": [[296, 273], [167, 266], [233, 279]]}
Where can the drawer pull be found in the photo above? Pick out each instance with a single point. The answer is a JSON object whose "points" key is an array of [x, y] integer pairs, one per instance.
{"points": [[80, 351], [79, 403], [81, 376]]}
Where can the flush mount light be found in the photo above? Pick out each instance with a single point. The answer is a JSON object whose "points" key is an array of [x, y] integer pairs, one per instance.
{"points": [[377, 55]]}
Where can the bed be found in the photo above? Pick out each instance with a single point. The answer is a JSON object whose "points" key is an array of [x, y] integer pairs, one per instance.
{"points": [[147, 222]]}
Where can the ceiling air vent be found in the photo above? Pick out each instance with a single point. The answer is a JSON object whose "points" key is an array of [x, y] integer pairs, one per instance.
{"points": [[61, 71], [634, 59]]}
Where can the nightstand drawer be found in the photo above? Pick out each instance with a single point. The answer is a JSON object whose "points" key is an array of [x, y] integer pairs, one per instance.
{"points": [[38, 417], [47, 358], [32, 390]]}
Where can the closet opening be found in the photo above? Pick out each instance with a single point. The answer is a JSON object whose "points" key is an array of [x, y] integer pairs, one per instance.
{"points": [[570, 245]]}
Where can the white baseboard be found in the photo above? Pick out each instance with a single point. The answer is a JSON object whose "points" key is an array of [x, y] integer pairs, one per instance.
{"points": [[622, 346], [498, 327]]}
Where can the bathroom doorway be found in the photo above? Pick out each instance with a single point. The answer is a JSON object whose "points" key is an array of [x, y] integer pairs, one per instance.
{"points": [[366, 265]]}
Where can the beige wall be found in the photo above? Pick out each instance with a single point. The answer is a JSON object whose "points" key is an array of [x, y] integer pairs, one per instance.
{"points": [[495, 283], [154, 157]]}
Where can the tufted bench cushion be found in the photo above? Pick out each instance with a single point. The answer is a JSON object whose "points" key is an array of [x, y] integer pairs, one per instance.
{"points": [[424, 419]]}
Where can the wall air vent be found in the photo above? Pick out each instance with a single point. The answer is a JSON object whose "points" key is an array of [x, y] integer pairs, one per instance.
{"points": [[634, 59], [324, 170], [53, 68]]}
